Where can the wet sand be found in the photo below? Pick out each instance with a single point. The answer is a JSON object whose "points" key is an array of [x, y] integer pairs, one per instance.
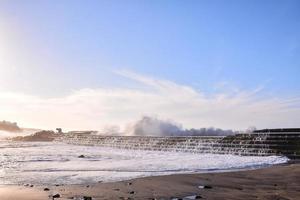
{"points": [[279, 182]]}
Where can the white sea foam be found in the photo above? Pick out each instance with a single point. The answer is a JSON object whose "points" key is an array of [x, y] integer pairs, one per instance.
{"points": [[50, 163]]}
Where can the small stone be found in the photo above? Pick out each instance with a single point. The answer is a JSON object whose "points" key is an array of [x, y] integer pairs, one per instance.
{"points": [[87, 198], [129, 183], [116, 189], [56, 196], [46, 189], [132, 192], [87, 186], [81, 156], [31, 185], [198, 197], [207, 187]]}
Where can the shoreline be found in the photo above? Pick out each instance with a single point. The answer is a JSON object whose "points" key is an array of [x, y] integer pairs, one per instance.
{"points": [[280, 181]]}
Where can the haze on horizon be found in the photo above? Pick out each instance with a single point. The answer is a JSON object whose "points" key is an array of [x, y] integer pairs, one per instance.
{"points": [[96, 64]]}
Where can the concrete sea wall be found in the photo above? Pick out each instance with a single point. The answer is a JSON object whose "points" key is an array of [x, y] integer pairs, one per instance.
{"points": [[254, 144]]}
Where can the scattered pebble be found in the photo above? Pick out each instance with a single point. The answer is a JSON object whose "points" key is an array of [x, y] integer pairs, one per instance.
{"points": [[81, 156], [87, 198], [56, 196], [46, 189], [131, 192]]}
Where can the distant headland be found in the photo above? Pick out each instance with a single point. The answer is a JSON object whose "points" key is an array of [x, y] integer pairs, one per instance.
{"points": [[9, 126]]}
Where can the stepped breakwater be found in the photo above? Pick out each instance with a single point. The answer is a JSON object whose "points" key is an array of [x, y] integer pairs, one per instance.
{"points": [[260, 143]]}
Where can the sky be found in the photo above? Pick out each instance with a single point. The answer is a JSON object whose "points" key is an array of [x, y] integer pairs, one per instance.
{"points": [[92, 64]]}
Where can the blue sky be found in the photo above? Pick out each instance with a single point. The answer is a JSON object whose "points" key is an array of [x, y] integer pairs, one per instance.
{"points": [[53, 48]]}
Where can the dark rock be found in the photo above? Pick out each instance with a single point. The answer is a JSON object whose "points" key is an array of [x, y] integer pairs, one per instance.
{"points": [[87, 198], [46, 189], [81, 156], [87, 186], [129, 183], [207, 187], [31, 185], [56, 196], [117, 189], [38, 136], [198, 197], [131, 192]]}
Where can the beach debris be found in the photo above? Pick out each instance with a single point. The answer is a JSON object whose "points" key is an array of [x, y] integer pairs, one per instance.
{"points": [[198, 197], [205, 187], [46, 189], [56, 196], [81, 156], [87, 198], [192, 197]]}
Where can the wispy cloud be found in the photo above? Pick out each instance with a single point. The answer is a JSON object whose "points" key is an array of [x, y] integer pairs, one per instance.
{"points": [[96, 108]]}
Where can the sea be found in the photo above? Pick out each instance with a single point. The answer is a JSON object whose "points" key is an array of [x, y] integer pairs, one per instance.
{"points": [[53, 163]]}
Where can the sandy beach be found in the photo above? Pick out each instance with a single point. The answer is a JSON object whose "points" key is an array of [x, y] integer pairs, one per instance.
{"points": [[273, 183]]}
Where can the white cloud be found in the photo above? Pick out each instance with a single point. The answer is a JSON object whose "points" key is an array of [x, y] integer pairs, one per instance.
{"points": [[97, 108]]}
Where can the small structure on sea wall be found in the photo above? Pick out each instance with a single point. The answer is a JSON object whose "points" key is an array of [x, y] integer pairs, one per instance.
{"points": [[59, 130]]}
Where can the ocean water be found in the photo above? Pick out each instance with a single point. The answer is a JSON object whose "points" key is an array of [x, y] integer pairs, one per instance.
{"points": [[56, 163]]}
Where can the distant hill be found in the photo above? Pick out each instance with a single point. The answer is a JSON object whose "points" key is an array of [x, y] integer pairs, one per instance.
{"points": [[9, 126]]}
